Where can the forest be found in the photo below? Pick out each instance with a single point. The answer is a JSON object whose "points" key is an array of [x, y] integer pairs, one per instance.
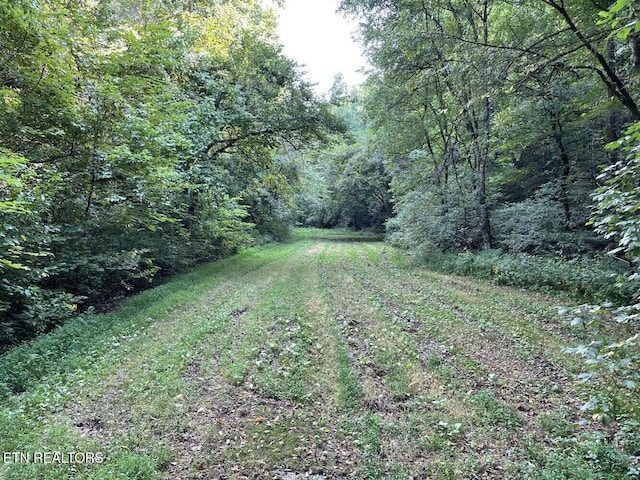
{"points": [[139, 139], [495, 139]]}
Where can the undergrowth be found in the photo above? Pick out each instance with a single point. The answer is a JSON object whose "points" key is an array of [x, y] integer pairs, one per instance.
{"points": [[595, 279]]}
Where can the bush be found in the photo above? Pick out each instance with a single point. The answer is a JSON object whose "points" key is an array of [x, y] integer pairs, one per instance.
{"points": [[614, 367], [584, 278], [424, 224], [537, 225]]}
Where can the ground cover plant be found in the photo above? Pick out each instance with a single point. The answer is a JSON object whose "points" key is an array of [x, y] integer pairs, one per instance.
{"points": [[318, 358]]}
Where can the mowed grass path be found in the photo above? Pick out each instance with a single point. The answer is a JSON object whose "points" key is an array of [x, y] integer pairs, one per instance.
{"points": [[323, 358]]}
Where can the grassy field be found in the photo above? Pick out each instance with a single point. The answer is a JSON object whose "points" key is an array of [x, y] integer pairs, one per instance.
{"points": [[323, 358]]}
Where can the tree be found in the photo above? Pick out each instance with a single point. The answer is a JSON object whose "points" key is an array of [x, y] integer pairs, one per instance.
{"points": [[481, 103], [138, 138], [615, 366], [346, 184], [434, 98]]}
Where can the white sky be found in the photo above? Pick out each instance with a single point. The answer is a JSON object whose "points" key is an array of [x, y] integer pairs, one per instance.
{"points": [[315, 35]]}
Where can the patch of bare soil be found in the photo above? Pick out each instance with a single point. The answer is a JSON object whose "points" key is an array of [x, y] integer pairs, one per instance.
{"points": [[316, 249], [234, 431], [392, 409], [236, 314], [91, 427]]}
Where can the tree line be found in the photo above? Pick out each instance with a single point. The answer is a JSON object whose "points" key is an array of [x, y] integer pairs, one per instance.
{"points": [[138, 138], [493, 115]]}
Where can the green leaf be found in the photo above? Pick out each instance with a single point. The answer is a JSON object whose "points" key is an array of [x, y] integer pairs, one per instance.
{"points": [[15, 265], [623, 33]]}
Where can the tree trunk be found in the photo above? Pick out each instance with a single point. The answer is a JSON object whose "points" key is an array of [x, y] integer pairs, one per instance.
{"points": [[485, 221], [634, 43], [556, 128]]}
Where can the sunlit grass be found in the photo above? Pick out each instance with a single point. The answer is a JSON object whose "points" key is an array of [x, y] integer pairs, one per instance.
{"points": [[336, 234]]}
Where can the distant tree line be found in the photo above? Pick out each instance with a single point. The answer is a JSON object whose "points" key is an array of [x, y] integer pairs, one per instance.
{"points": [[346, 184]]}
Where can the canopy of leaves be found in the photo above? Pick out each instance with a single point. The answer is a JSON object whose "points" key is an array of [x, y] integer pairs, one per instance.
{"points": [[138, 138]]}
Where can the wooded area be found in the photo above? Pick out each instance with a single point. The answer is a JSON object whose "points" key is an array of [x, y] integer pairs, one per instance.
{"points": [[138, 139], [493, 138], [494, 117]]}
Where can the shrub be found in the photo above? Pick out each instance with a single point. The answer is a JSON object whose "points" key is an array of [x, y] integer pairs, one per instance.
{"points": [[583, 278]]}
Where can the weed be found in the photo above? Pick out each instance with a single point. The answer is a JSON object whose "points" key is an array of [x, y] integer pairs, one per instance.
{"points": [[556, 423], [493, 412]]}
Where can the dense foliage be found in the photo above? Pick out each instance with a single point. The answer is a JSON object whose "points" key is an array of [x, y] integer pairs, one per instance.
{"points": [[493, 117], [137, 138], [346, 185]]}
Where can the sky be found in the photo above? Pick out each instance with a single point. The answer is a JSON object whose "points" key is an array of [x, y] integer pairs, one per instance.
{"points": [[315, 35]]}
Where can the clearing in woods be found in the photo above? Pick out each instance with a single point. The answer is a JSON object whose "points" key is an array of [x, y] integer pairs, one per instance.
{"points": [[324, 358]]}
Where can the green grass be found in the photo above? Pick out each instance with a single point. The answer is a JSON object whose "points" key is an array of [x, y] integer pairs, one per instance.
{"points": [[329, 355], [336, 234]]}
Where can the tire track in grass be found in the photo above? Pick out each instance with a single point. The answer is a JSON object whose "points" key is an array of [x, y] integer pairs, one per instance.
{"points": [[230, 390], [490, 310], [531, 391], [532, 312], [526, 306], [357, 389], [141, 405], [402, 420], [279, 416], [490, 411], [349, 392], [519, 377]]}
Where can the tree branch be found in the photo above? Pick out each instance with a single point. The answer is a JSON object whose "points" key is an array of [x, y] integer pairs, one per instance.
{"points": [[619, 89]]}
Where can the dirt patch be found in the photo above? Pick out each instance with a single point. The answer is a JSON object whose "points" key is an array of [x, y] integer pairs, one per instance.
{"points": [[234, 432], [370, 373], [284, 475], [316, 249], [236, 314], [91, 427]]}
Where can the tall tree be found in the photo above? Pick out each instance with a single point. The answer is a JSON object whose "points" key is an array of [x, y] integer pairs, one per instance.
{"points": [[442, 88], [448, 72], [138, 138]]}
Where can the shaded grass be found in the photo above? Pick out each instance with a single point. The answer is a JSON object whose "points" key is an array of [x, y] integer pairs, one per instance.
{"points": [[130, 371], [81, 342], [336, 234], [331, 358]]}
